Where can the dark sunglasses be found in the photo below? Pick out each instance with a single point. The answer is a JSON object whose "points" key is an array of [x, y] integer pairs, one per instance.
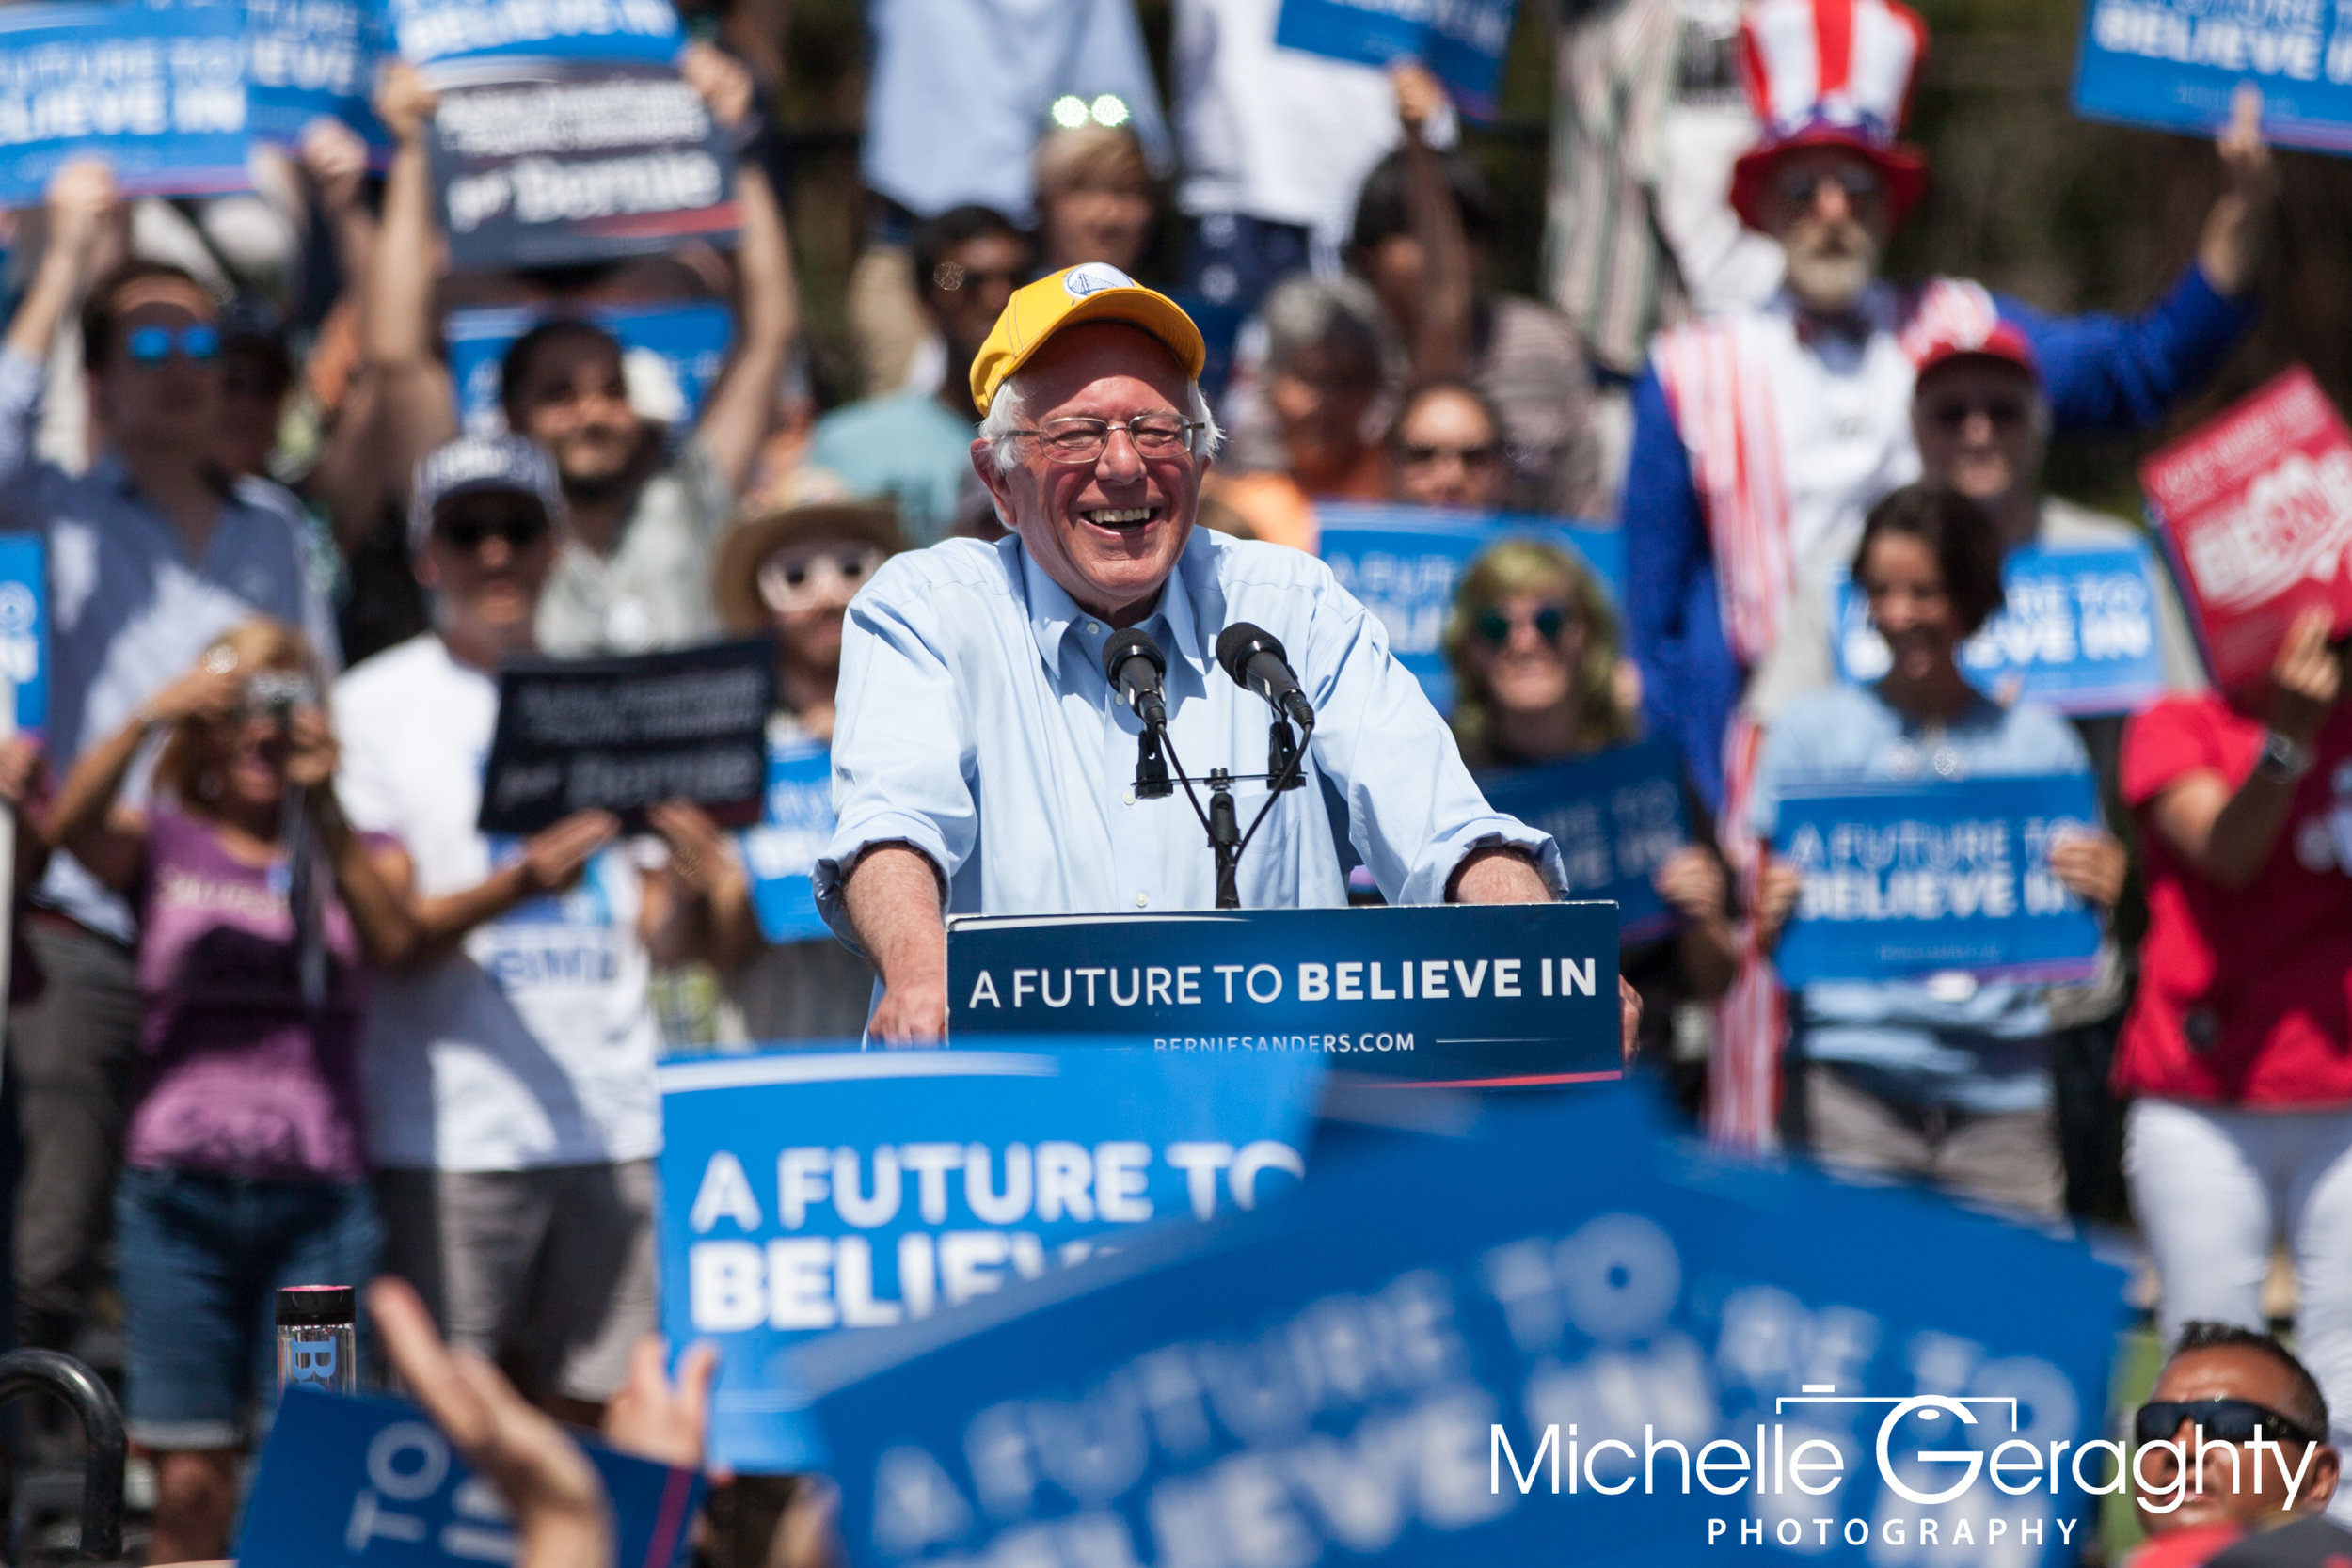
{"points": [[1951, 413], [466, 534], [1550, 621], [152, 345], [1800, 186], [2221, 1420], [1419, 457]]}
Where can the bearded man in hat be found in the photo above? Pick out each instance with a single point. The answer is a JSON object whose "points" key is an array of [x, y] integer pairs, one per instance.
{"points": [[1762, 432], [982, 760]]}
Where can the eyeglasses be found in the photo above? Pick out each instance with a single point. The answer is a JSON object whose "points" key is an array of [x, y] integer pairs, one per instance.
{"points": [[793, 582], [2006, 413], [948, 277], [1415, 455], [521, 530], [1550, 621], [1085, 440], [152, 346], [1799, 187], [2225, 1421]]}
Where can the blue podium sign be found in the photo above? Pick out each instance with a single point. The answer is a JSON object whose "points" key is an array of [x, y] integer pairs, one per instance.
{"points": [[2174, 64], [1461, 42], [158, 93], [780, 854], [2079, 632], [1460, 994], [1916, 878], [1564, 1339], [808, 1192], [682, 348], [351, 1482], [1616, 815], [1403, 562]]}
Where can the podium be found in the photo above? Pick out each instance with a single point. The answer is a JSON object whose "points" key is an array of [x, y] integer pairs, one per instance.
{"points": [[1482, 995]]}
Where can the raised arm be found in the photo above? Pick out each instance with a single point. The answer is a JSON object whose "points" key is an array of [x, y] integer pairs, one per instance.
{"points": [[87, 818], [416, 410], [740, 409], [81, 204], [2229, 834], [1441, 345]]}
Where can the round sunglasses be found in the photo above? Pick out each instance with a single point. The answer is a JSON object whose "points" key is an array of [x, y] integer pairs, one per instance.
{"points": [[1495, 628], [152, 345]]}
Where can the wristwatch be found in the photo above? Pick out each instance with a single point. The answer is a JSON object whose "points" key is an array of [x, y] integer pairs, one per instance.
{"points": [[2283, 759]]}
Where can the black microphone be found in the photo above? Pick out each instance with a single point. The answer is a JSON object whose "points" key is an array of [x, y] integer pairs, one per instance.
{"points": [[1135, 665], [1255, 660]]}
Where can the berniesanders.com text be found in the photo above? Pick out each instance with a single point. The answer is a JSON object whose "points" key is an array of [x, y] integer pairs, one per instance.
{"points": [[1370, 1040]]}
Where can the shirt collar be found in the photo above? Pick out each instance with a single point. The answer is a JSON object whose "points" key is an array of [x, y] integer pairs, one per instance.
{"points": [[1053, 612]]}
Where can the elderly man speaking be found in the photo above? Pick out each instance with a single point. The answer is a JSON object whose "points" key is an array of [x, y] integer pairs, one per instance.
{"points": [[983, 761]]}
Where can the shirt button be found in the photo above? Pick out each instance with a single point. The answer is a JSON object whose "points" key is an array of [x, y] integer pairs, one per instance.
{"points": [[1092, 627], [1141, 901], [1128, 799]]}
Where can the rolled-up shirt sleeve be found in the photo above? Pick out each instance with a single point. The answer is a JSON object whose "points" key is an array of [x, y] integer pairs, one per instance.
{"points": [[902, 752], [1413, 811]]}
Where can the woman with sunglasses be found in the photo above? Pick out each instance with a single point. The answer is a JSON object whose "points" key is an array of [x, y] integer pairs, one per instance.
{"points": [[789, 571], [246, 1165], [1539, 678], [1944, 1079]]}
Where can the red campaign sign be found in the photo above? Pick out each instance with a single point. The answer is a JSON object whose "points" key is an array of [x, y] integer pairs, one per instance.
{"points": [[2257, 508]]}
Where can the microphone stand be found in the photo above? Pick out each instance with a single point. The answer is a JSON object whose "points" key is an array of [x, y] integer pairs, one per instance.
{"points": [[1155, 751]]}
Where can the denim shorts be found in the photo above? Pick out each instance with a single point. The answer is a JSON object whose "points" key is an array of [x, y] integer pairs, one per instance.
{"points": [[201, 1258]]}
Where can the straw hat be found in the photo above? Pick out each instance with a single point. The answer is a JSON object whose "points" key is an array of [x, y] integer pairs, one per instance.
{"points": [[808, 503]]}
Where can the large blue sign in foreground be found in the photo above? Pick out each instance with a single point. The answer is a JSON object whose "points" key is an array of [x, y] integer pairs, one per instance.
{"points": [[1617, 815], [814, 1191], [2174, 64], [1916, 878], [2079, 632], [1403, 562], [1683, 1356], [373, 1483], [1433, 993]]}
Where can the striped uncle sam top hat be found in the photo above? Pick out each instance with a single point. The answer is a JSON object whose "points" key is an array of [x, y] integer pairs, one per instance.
{"points": [[1830, 73]]}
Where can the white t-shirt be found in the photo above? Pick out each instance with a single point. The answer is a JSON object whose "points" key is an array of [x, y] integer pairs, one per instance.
{"points": [[535, 1044]]}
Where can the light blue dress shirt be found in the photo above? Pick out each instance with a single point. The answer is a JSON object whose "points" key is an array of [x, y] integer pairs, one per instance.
{"points": [[976, 724]]}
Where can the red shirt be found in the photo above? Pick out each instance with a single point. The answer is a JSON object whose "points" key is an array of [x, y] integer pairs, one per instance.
{"points": [[2245, 995]]}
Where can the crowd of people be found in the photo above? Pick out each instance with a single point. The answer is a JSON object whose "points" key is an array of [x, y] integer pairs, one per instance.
{"points": [[280, 1012]]}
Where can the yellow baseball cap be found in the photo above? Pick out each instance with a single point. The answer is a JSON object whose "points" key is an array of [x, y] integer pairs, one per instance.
{"points": [[1093, 291]]}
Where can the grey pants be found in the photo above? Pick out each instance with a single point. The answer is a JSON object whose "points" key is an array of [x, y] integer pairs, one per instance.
{"points": [[2007, 1162], [72, 1049]]}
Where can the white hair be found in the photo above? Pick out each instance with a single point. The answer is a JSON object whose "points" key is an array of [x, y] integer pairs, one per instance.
{"points": [[1007, 413]]}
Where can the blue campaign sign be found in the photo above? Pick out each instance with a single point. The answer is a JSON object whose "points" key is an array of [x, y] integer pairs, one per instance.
{"points": [[1461, 42], [159, 93], [780, 854], [1616, 815], [427, 32], [805, 1192], [312, 59], [1567, 1338], [373, 1482], [1460, 994], [2079, 632], [673, 355], [2174, 64], [25, 627], [1905, 879], [1403, 562]]}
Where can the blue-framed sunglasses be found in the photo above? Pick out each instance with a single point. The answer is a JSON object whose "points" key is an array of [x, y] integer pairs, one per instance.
{"points": [[152, 345]]}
